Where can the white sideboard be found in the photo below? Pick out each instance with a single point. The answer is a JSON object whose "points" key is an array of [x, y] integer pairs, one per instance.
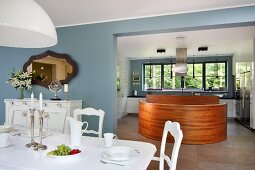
{"points": [[231, 107], [55, 113], [133, 104]]}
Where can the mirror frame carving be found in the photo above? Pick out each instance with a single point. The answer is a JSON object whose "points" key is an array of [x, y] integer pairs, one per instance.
{"points": [[55, 55]]}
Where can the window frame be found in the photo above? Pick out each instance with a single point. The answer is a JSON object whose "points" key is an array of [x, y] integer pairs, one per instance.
{"points": [[226, 73], [144, 77], [203, 85], [204, 88]]}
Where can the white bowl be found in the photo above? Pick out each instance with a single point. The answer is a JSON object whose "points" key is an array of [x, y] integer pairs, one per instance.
{"points": [[68, 157]]}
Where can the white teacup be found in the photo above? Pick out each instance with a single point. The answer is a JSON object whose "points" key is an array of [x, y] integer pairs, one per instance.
{"points": [[108, 139], [5, 139]]}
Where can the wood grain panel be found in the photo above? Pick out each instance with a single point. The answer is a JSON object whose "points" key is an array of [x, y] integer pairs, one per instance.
{"points": [[201, 124], [184, 100]]}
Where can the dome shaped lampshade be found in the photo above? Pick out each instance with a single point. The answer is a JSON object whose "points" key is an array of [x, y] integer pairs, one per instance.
{"points": [[180, 68], [24, 24]]}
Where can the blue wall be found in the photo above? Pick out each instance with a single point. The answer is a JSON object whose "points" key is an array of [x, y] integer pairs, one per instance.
{"points": [[137, 66], [93, 47]]}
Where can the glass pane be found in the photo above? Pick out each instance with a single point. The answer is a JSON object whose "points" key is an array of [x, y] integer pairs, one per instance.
{"points": [[194, 83], [147, 71], [153, 82], [155, 70], [214, 69], [177, 82], [167, 70], [243, 67], [211, 69], [168, 82], [198, 69], [221, 69], [171, 83], [218, 83]]}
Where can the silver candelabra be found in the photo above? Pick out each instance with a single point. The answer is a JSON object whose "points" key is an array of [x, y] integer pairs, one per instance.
{"points": [[40, 146], [32, 128]]}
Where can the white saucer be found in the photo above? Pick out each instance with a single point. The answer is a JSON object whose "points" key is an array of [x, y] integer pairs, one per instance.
{"points": [[119, 153]]}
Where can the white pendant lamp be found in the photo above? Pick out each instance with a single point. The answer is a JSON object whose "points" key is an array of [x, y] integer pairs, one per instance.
{"points": [[180, 68], [24, 24], [181, 61]]}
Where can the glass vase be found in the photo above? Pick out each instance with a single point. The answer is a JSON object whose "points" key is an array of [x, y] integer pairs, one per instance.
{"points": [[21, 96]]}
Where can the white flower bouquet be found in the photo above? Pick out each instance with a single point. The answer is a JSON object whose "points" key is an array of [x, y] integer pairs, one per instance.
{"points": [[21, 80]]}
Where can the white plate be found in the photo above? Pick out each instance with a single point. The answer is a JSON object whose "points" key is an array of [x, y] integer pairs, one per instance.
{"points": [[5, 128], [119, 153]]}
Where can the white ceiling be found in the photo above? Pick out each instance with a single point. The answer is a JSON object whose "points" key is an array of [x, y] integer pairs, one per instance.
{"points": [[75, 12], [219, 42]]}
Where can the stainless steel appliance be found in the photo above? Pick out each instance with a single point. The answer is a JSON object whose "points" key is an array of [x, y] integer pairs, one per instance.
{"points": [[238, 104], [243, 99]]}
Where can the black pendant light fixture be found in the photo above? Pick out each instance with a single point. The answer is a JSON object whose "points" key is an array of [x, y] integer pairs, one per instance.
{"points": [[171, 71], [182, 82], [150, 69], [217, 68], [193, 69]]}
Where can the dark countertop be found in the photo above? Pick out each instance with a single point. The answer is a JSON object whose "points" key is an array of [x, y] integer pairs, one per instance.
{"points": [[188, 91], [137, 96], [228, 98]]}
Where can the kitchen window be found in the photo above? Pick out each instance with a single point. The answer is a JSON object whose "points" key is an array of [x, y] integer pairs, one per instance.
{"points": [[206, 75], [215, 76], [152, 76]]}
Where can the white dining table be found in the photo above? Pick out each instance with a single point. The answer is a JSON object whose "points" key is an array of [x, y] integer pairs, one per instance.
{"points": [[18, 157]]}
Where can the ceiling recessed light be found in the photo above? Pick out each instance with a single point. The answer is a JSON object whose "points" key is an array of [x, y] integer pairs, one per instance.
{"points": [[202, 49], [161, 50]]}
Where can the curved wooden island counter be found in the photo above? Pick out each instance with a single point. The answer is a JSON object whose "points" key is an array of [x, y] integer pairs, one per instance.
{"points": [[201, 123]]}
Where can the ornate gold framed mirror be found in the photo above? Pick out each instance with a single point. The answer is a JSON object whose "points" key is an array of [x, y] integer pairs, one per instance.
{"points": [[50, 66]]}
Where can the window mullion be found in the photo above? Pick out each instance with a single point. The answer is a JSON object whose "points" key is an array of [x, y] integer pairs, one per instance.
{"points": [[204, 75], [162, 76]]}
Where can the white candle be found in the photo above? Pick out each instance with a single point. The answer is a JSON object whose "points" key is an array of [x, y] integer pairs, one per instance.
{"points": [[32, 101], [40, 101], [65, 88]]}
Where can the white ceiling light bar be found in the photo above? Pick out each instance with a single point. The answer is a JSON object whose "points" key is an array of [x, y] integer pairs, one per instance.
{"points": [[24, 24]]}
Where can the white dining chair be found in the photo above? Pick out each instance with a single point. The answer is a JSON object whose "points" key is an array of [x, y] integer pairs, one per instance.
{"points": [[176, 132], [91, 112], [19, 116], [50, 115]]}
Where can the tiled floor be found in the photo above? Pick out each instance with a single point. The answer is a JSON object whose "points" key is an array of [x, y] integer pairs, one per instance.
{"points": [[235, 153]]}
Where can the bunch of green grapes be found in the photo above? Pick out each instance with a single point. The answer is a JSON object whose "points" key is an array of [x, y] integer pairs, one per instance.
{"points": [[62, 150]]}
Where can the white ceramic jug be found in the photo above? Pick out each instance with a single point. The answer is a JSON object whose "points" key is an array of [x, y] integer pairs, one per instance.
{"points": [[76, 127]]}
